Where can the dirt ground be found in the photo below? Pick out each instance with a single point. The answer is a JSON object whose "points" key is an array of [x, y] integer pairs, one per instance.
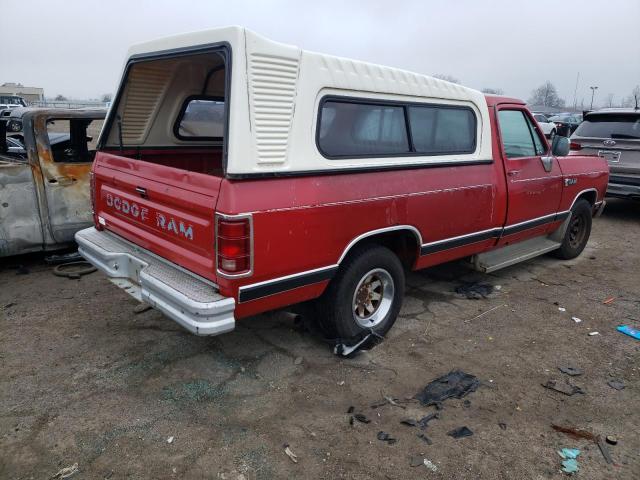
{"points": [[85, 380]]}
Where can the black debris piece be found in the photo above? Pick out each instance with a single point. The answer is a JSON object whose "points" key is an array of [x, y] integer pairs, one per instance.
{"points": [[411, 422], [22, 270], [460, 432], [565, 388], [361, 418], [616, 384], [611, 440], [351, 420], [416, 461], [475, 291], [424, 438], [63, 258], [466, 404], [502, 425], [9, 305], [385, 437], [455, 384], [424, 421], [351, 409], [572, 371]]}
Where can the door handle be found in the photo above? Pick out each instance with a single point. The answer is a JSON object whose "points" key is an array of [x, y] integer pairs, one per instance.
{"points": [[513, 173]]}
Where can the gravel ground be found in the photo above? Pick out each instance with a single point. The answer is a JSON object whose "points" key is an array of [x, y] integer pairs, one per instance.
{"points": [[84, 380]]}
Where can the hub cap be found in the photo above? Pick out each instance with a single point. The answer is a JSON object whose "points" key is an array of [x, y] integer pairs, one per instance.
{"points": [[576, 231], [373, 298]]}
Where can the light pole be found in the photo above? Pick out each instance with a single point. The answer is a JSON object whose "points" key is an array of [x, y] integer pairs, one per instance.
{"points": [[593, 92]]}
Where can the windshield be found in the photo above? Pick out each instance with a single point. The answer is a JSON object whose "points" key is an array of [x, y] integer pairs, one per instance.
{"points": [[561, 118], [9, 100], [611, 126]]}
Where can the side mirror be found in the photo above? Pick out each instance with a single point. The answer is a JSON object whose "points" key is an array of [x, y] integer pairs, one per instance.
{"points": [[560, 146]]}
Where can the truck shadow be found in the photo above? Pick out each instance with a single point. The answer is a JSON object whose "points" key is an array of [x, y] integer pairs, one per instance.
{"points": [[622, 209]]}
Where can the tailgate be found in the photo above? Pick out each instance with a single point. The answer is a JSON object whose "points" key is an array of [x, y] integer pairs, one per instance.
{"points": [[165, 210]]}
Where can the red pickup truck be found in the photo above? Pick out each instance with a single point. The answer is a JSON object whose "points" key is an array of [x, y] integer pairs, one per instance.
{"points": [[237, 175]]}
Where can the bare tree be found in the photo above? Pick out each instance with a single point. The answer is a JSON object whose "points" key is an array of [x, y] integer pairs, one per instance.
{"points": [[546, 95], [609, 100], [493, 91], [106, 97], [60, 98], [446, 78], [633, 99]]}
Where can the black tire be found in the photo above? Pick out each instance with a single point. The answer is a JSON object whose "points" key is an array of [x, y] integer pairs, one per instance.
{"points": [[337, 314], [578, 231]]}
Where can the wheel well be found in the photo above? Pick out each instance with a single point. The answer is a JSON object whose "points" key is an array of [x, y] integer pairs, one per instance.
{"points": [[590, 196], [404, 243]]}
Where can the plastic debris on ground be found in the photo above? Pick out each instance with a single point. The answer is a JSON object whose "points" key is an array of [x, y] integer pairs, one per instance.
{"points": [[571, 371], [424, 438], [502, 425], [460, 432], [429, 464], [608, 300], [611, 440], [627, 330], [170, 440], [290, 454], [385, 437], [591, 334], [455, 384], [66, 472], [576, 319], [562, 309], [349, 348], [424, 421], [566, 388], [616, 384], [569, 462], [475, 291], [416, 461]]}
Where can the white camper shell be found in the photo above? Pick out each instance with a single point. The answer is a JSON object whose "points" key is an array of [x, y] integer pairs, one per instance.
{"points": [[271, 94]]}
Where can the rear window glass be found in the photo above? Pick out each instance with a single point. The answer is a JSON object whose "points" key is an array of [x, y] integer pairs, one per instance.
{"points": [[610, 126], [201, 119], [437, 129], [361, 129]]}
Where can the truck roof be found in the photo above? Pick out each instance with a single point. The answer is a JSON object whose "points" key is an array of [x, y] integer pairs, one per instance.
{"points": [[493, 100]]}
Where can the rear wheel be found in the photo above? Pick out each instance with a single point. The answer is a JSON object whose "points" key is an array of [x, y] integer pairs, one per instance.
{"points": [[578, 231], [365, 295]]}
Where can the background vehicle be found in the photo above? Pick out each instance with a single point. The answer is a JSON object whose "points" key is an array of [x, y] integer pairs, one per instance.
{"points": [[547, 126], [44, 177], [11, 101], [613, 134], [566, 124]]}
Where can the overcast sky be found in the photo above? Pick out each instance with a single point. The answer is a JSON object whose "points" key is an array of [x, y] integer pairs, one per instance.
{"points": [[77, 47]]}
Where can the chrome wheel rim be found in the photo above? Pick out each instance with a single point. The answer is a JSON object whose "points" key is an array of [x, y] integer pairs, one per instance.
{"points": [[372, 298]]}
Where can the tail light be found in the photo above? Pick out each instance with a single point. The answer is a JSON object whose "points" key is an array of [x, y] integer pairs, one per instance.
{"points": [[234, 245], [575, 146]]}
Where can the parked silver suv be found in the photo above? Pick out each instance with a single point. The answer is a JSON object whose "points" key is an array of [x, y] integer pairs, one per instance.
{"points": [[614, 134]]}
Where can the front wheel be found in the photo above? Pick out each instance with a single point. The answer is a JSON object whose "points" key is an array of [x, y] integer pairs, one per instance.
{"points": [[366, 294], [578, 231]]}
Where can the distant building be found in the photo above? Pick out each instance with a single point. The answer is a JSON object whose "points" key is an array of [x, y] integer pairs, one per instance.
{"points": [[30, 94]]}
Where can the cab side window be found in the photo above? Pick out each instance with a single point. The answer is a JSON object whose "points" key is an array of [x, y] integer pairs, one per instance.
{"points": [[517, 137], [539, 146]]}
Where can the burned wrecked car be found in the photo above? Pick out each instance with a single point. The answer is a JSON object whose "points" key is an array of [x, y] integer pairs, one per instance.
{"points": [[44, 177]]}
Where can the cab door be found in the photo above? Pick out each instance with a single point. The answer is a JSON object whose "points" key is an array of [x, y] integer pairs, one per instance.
{"points": [[534, 179], [65, 161]]}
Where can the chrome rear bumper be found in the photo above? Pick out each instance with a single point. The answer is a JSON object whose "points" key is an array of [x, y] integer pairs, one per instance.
{"points": [[190, 300]]}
